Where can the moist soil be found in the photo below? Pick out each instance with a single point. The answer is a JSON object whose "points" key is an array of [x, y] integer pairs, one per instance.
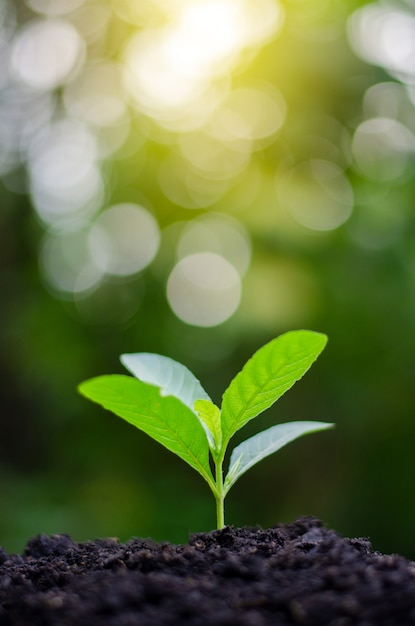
{"points": [[299, 573]]}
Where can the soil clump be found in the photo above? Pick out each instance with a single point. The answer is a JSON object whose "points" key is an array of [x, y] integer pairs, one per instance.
{"points": [[299, 573]]}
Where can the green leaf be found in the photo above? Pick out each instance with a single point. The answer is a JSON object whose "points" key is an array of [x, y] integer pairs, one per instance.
{"points": [[253, 450], [164, 418], [271, 371], [173, 378], [209, 415]]}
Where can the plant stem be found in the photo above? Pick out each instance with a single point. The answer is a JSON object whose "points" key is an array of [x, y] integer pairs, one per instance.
{"points": [[220, 517], [219, 495]]}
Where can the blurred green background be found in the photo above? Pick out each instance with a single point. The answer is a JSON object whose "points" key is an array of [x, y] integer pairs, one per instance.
{"points": [[194, 177]]}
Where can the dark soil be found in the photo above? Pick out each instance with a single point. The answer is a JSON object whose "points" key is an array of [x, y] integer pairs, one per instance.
{"points": [[299, 573]]}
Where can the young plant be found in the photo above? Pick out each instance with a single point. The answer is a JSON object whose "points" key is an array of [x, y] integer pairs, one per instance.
{"points": [[167, 402]]}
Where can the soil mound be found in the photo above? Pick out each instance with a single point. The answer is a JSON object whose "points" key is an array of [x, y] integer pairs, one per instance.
{"points": [[299, 573]]}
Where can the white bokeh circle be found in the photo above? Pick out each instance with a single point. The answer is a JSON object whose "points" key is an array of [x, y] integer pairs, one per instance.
{"points": [[204, 289]]}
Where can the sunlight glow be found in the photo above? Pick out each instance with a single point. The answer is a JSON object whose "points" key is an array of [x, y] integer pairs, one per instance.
{"points": [[170, 69]]}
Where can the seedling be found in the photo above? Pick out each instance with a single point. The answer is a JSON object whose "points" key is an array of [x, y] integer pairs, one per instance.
{"points": [[167, 402]]}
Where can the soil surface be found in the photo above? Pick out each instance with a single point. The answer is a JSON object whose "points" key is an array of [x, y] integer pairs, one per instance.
{"points": [[299, 573]]}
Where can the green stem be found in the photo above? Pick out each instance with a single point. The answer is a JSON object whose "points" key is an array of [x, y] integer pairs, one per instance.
{"points": [[219, 495]]}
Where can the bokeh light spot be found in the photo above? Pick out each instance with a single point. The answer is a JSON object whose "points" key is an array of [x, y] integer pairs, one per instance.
{"points": [[137, 13], [220, 234], [187, 187], [92, 20], [204, 289], [45, 53], [22, 115], [54, 7], [67, 265], [124, 239], [66, 181], [384, 34], [249, 113], [96, 96], [382, 147], [317, 194], [216, 159], [388, 99]]}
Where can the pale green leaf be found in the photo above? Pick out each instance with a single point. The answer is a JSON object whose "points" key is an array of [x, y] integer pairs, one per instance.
{"points": [[209, 415], [271, 371], [253, 450], [164, 418], [173, 378]]}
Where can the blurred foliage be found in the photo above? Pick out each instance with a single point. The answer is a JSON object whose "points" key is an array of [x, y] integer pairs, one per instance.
{"points": [[263, 164]]}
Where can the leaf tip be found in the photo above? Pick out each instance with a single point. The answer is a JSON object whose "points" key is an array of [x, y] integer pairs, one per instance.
{"points": [[80, 388]]}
